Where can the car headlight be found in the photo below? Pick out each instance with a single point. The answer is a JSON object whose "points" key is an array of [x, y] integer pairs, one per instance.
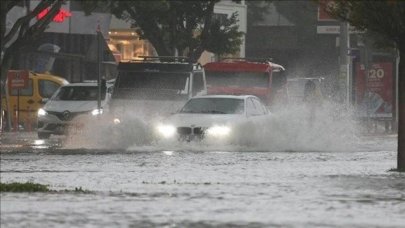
{"points": [[166, 131], [42, 112], [97, 112], [116, 121], [218, 131]]}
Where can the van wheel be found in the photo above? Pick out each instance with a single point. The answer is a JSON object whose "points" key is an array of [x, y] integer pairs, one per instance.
{"points": [[43, 135]]}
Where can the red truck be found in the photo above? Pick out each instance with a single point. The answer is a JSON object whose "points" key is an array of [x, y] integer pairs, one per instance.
{"points": [[241, 76]]}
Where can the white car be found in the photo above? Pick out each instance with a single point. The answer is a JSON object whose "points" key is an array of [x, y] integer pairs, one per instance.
{"points": [[70, 103], [213, 117]]}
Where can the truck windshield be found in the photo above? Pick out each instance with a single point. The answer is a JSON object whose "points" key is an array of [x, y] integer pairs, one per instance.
{"points": [[239, 79], [151, 85]]}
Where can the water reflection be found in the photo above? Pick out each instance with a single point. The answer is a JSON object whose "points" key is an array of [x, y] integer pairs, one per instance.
{"points": [[168, 152]]}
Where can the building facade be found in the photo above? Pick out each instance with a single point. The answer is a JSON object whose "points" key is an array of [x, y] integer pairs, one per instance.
{"points": [[77, 41], [294, 42], [74, 38]]}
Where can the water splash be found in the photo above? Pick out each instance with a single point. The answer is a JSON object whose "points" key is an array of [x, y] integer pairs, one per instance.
{"points": [[291, 128], [297, 128]]}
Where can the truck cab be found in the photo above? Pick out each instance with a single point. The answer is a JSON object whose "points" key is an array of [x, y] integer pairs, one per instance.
{"points": [[240, 76], [149, 90], [156, 85]]}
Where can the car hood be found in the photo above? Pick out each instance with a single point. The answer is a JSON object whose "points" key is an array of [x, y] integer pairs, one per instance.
{"points": [[203, 120], [72, 106]]}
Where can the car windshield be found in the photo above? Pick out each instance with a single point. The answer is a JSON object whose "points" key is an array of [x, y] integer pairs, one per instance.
{"points": [[239, 79], [214, 105], [78, 93]]}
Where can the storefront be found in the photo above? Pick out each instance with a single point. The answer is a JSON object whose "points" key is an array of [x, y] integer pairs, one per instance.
{"points": [[125, 44]]}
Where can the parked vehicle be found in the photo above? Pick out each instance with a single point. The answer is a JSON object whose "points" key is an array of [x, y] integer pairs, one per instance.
{"points": [[71, 106], [241, 76], [217, 117], [27, 101]]}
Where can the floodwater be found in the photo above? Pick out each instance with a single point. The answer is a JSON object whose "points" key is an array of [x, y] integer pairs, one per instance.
{"points": [[337, 183]]}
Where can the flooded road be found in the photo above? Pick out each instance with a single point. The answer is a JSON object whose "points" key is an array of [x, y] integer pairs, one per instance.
{"points": [[198, 187]]}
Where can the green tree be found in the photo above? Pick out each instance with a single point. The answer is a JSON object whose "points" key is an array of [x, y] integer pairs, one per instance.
{"points": [[386, 18], [184, 27]]}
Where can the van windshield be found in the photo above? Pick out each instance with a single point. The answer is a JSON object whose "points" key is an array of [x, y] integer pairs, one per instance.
{"points": [[78, 93], [239, 79], [151, 85]]}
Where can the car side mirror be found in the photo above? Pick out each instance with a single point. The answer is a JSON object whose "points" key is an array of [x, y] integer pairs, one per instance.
{"points": [[44, 100]]}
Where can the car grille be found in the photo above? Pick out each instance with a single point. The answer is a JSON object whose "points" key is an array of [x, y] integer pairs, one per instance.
{"points": [[66, 116], [190, 133], [183, 131]]}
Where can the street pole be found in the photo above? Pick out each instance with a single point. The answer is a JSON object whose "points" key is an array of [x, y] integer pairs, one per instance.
{"points": [[99, 57], [7, 90], [395, 111], [366, 73], [344, 76]]}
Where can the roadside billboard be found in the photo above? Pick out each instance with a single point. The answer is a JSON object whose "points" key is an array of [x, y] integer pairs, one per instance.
{"points": [[374, 94], [17, 79]]}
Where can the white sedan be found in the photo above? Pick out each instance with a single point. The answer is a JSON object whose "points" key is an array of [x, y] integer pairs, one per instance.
{"points": [[214, 117]]}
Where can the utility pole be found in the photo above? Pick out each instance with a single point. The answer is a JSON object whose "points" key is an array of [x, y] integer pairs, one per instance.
{"points": [[365, 59], [396, 97], [99, 59], [344, 72]]}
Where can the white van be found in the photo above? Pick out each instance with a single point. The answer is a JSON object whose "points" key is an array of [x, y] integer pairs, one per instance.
{"points": [[69, 104]]}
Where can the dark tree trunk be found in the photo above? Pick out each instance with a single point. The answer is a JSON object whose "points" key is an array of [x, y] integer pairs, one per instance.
{"points": [[5, 66], [159, 46], [196, 53], [401, 110]]}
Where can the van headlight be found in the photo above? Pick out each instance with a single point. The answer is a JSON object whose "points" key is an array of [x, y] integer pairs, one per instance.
{"points": [[97, 112], [166, 131], [218, 131], [116, 121], [42, 112]]}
